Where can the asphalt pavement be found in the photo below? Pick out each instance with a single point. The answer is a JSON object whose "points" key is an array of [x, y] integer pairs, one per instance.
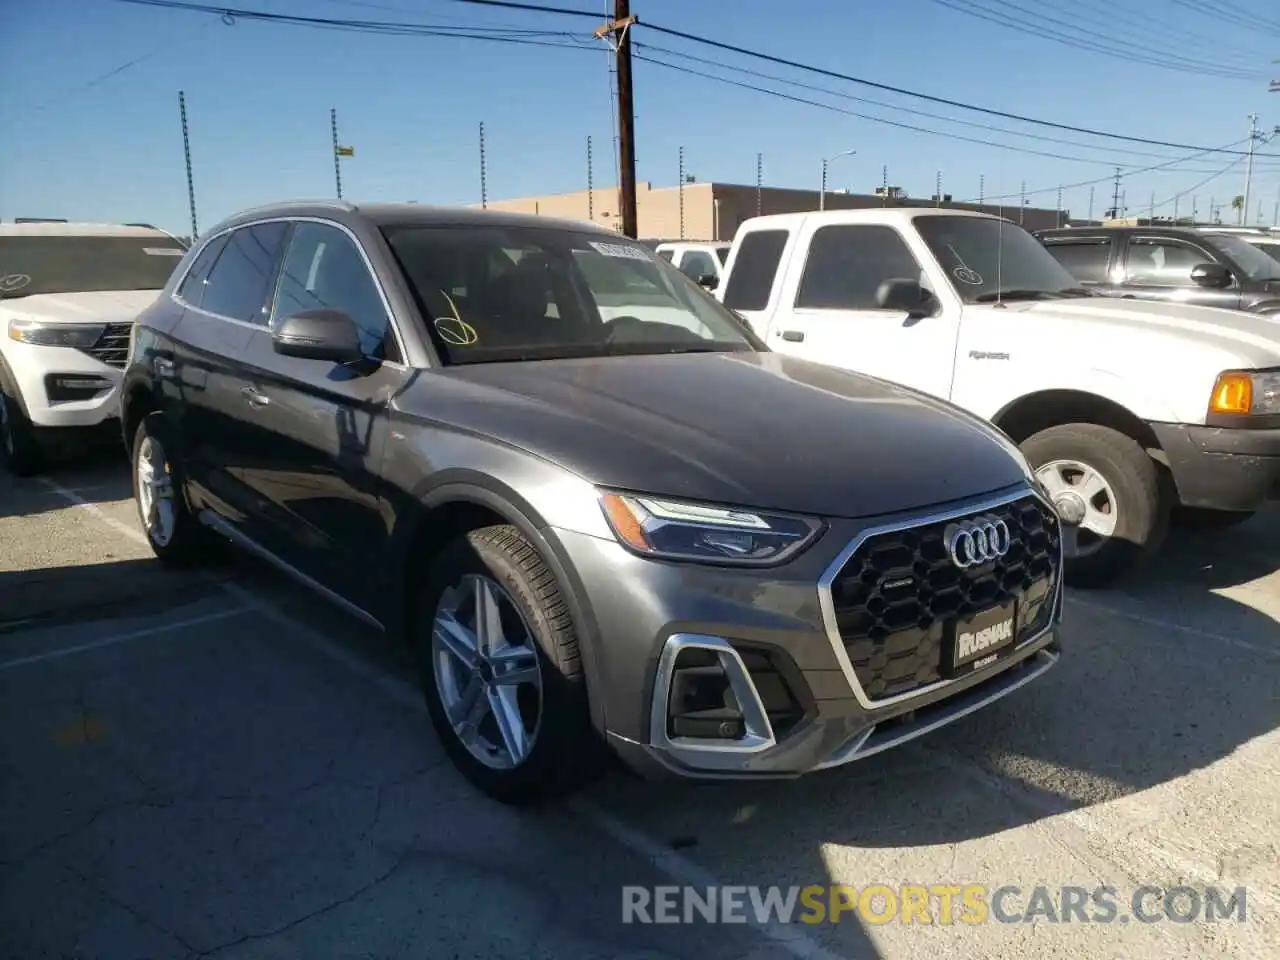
{"points": [[216, 764]]}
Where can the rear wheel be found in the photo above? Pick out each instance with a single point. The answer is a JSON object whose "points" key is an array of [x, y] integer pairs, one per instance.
{"points": [[175, 536], [500, 669], [19, 447], [1107, 491]]}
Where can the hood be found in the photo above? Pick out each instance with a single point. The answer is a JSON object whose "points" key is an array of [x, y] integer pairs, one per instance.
{"points": [[98, 306], [746, 429], [1252, 339]]}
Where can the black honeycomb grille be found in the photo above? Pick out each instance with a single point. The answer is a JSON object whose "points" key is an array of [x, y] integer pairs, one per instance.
{"points": [[895, 597], [112, 347]]}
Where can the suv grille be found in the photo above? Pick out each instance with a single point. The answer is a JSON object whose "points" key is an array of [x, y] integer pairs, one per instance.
{"points": [[112, 347], [894, 598]]}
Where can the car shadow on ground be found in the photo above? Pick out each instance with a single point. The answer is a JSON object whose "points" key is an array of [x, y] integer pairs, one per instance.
{"points": [[95, 473]]}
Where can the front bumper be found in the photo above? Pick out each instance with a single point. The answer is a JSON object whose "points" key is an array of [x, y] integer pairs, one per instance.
{"points": [[64, 387], [1221, 468], [767, 631]]}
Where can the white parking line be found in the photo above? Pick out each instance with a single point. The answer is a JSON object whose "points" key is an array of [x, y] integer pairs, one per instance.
{"points": [[124, 638], [1176, 627], [92, 508]]}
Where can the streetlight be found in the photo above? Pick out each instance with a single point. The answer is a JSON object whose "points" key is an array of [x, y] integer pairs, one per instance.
{"points": [[822, 196]]}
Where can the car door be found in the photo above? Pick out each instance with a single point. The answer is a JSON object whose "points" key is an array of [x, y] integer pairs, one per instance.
{"points": [[323, 425], [1089, 258], [1159, 268], [834, 317], [751, 290], [225, 302]]}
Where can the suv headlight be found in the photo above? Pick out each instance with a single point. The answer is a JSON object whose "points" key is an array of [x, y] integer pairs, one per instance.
{"points": [[679, 530], [1245, 392], [78, 335]]}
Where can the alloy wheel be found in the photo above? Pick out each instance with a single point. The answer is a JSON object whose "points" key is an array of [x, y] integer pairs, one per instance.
{"points": [[1086, 503], [487, 672], [155, 491]]}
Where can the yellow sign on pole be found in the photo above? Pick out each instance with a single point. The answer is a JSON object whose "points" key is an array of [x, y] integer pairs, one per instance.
{"points": [[346, 151]]}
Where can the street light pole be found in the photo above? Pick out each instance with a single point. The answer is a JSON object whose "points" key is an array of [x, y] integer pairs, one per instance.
{"points": [[822, 195]]}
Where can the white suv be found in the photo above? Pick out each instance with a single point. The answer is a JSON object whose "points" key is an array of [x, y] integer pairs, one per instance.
{"points": [[69, 293]]}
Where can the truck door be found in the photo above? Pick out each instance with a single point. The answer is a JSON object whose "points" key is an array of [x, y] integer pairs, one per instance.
{"points": [[829, 312], [753, 268]]}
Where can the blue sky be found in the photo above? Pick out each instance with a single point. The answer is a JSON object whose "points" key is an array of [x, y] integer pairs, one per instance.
{"points": [[84, 145]]}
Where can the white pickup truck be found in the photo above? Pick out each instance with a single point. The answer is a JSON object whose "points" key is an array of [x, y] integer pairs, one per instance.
{"points": [[1131, 413]]}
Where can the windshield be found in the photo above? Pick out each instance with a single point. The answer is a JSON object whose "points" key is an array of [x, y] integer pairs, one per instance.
{"points": [[518, 293], [1271, 248], [31, 265], [1254, 263], [984, 257]]}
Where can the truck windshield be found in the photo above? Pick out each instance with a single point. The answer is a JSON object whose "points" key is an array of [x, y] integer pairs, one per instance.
{"points": [[33, 265], [986, 259], [491, 294], [1255, 263]]}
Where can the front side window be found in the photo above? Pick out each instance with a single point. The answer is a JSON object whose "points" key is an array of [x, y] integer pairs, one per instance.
{"points": [[1253, 261], [323, 269], [1087, 260], [987, 259], [697, 264], [847, 263], [1165, 263], [31, 265], [240, 281], [491, 294]]}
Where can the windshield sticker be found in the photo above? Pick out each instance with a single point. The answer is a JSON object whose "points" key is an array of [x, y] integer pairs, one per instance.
{"points": [[619, 250], [967, 275], [13, 281], [163, 251]]}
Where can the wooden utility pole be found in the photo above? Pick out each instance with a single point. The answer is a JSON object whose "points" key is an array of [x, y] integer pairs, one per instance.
{"points": [[618, 29]]}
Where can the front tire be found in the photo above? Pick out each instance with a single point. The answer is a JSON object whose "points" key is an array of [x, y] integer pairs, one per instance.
{"points": [[1109, 494], [176, 537], [19, 447], [500, 669]]}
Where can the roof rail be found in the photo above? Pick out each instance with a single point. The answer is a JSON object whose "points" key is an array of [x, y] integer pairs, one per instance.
{"points": [[339, 204], [40, 220]]}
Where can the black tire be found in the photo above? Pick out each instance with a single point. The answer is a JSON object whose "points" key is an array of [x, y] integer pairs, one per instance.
{"points": [[566, 752], [190, 543], [1204, 520], [19, 445], [1141, 504]]}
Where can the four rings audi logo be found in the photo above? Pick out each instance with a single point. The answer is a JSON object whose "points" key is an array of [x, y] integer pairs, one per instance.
{"points": [[978, 541]]}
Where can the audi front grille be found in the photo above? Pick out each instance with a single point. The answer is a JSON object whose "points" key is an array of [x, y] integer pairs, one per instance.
{"points": [[896, 596], [112, 347]]}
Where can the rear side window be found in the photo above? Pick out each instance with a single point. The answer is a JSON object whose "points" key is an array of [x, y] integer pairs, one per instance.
{"points": [[755, 270], [847, 263], [240, 283], [192, 289], [1086, 260]]}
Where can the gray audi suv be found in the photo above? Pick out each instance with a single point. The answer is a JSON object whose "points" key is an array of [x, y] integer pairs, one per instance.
{"points": [[604, 516]]}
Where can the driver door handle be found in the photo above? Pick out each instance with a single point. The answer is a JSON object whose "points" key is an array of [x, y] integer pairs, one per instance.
{"points": [[793, 336], [256, 398]]}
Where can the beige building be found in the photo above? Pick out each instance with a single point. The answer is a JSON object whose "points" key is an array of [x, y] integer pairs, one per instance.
{"points": [[713, 211]]}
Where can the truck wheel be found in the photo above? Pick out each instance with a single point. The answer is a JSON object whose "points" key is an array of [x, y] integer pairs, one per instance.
{"points": [[176, 537], [1107, 491], [19, 448], [500, 669]]}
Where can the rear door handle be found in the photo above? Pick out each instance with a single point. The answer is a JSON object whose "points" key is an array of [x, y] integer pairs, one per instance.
{"points": [[793, 336], [254, 397]]}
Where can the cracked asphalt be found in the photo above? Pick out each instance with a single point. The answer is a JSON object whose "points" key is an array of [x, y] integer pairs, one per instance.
{"points": [[215, 764]]}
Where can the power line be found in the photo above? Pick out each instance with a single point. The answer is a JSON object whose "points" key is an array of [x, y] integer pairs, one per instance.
{"points": [[1221, 173], [1091, 41], [800, 84], [944, 101]]}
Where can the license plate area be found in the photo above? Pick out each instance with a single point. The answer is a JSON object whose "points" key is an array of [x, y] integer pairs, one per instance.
{"points": [[980, 639]]}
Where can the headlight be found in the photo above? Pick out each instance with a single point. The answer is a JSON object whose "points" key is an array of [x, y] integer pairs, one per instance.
{"points": [[1243, 392], [79, 335], [678, 530]]}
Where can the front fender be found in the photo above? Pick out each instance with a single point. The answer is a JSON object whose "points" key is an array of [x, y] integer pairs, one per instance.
{"points": [[1132, 395]]}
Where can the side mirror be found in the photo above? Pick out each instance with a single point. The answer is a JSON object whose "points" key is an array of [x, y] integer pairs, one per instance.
{"points": [[709, 280], [318, 335], [906, 295], [1211, 275]]}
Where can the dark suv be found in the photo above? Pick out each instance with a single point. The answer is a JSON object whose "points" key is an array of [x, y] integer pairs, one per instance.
{"points": [[1181, 264], [598, 509]]}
